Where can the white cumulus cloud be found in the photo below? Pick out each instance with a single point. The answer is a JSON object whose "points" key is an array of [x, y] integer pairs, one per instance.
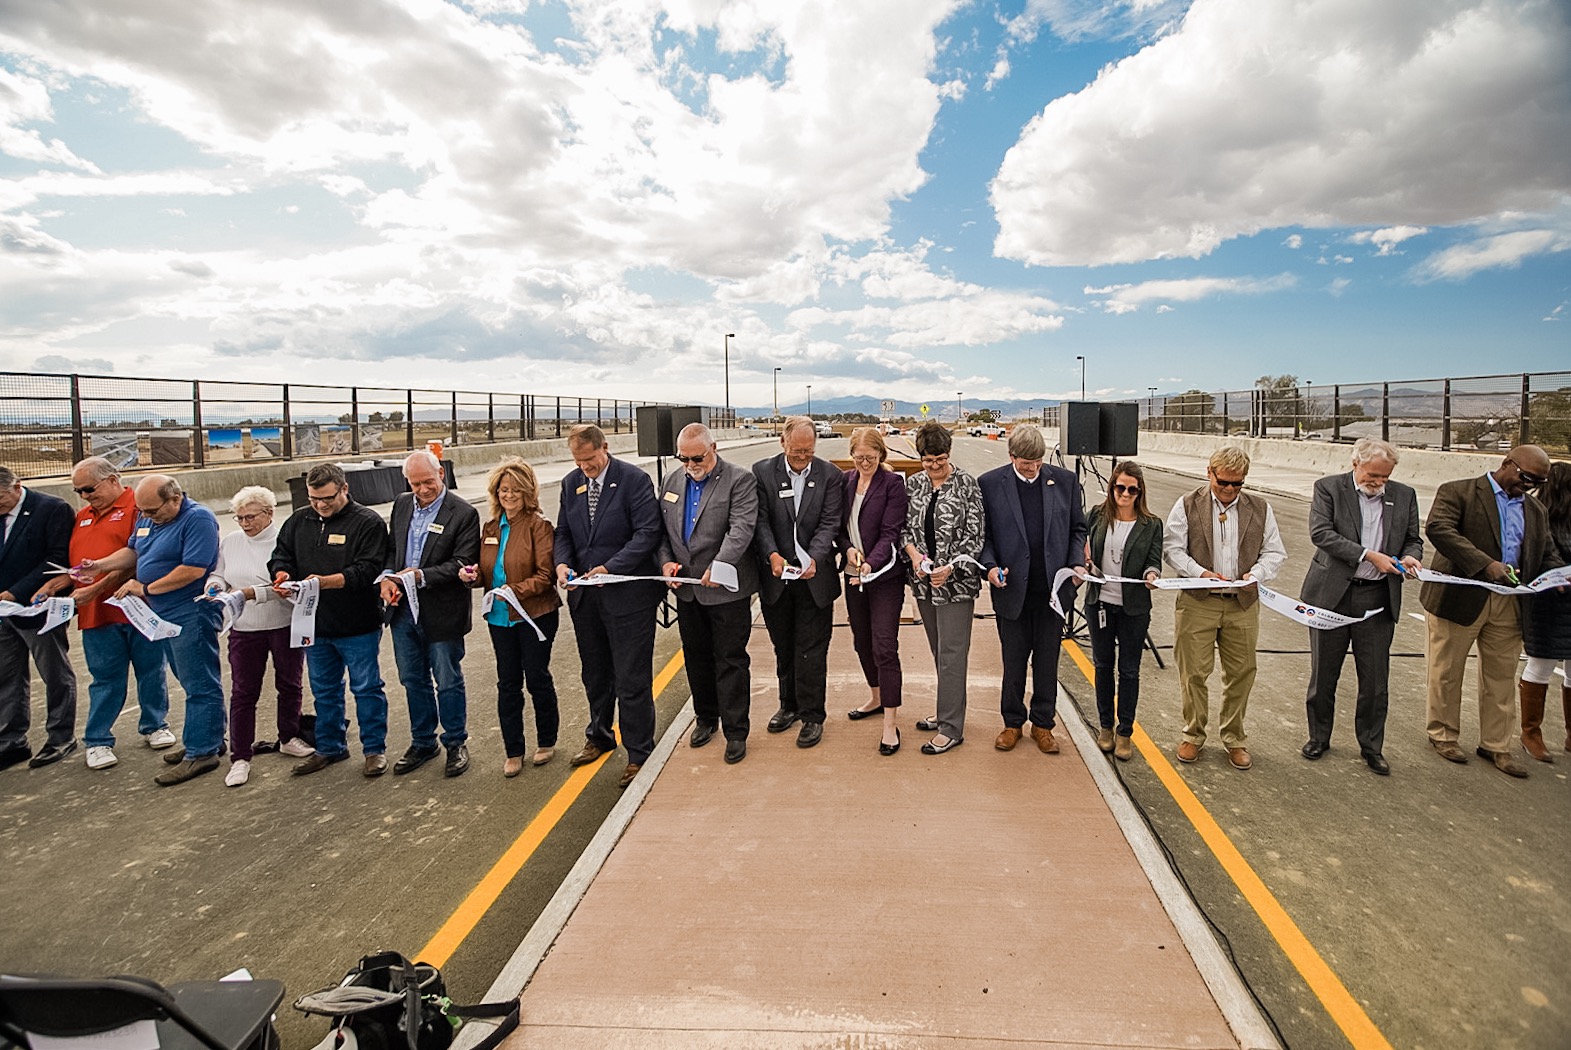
{"points": [[1127, 298]]}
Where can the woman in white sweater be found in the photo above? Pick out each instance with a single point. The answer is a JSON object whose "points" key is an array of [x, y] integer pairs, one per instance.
{"points": [[261, 630]]}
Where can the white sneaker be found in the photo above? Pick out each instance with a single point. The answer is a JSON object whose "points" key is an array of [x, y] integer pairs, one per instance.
{"points": [[101, 757], [239, 773], [159, 739], [297, 748]]}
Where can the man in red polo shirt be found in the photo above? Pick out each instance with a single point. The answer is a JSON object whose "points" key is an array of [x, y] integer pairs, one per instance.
{"points": [[110, 645]]}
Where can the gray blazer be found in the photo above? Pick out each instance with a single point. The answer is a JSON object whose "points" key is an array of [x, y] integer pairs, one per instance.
{"points": [[816, 526], [1335, 525], [727, 513]]}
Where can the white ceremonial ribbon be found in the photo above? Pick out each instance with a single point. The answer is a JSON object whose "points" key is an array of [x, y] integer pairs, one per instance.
{"points": [[606, 578], [1560, 577], [1198, 583], [1308, 615], [959, 559], [894, 559], [306, 595], [489, 599], [232, 603], [1431, 576], [144, 619], [1060, 577], [410, 583], [56, 612], [16, 609], [724, 575], [789, 572]]}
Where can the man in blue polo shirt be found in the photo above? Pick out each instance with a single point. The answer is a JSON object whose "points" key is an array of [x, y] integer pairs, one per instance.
{"points": [[173, 549]]}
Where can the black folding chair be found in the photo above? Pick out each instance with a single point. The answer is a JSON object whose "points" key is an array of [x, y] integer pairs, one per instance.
{"points": [[215, 1015]]}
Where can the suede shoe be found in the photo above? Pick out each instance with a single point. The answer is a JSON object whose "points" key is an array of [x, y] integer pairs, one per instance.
{"points": [[586, 756], [187, 770], [1006, 740], [375, 765], [49, 754], [1188, 752], [316, 763], [1104, 740], [735, 751], [1448, 750], [413, 759], [628, 774], [783, 720], [1503, 762], [810, 734], [1124, 748], [457, 761], [1239, 756], [701, 734], [1044, 740]]}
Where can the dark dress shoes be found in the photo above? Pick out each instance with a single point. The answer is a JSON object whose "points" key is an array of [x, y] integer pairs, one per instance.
{"points": [[783, 720], [859, 714], [51, 753], [187, 770], [15, 756], [413, 759], [810, 734], [457, 761], [889, 749], [316, 763], [1379, 764], [701, 735], [1501, 759], [588, 754], [1314, 749], [735, 751]]}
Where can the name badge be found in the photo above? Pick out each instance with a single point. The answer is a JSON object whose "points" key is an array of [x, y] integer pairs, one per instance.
{"points": [[435, 528], [336, 539], [786, 493], [84, 523], [670, 497], [580, 490], [492, 541], [144, 530]]}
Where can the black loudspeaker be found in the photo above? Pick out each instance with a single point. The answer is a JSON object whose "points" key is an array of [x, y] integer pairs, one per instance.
{"points": [[1120, 431], [658, 426], [1082, 435]]}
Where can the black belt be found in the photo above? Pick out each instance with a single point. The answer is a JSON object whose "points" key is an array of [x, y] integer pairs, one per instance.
{"points": [[1358, 582]]}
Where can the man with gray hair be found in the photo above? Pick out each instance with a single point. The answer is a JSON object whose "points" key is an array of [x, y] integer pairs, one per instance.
{"points": [[1034, 526], [35, 529], [1365, 530]]}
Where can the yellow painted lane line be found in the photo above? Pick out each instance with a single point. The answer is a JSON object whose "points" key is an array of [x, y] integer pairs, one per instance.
{"points": [[1322, 980], [473, 907]]}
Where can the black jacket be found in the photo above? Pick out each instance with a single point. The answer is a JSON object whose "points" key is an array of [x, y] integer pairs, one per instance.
{"points": [[454, 542], [354, 542]]}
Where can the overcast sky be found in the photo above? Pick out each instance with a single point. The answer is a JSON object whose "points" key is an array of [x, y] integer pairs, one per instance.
{"points": [[902, 198]]}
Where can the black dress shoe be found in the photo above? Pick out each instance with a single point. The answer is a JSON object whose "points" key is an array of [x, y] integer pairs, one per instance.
{"points": [[735, 751], [413, 759], [702, 732], [889, 749], [457, 761], [51, 753], [1379, 764], [1314, 749], [931, 748], [859, 714], [15, 756], [928, 725], [783, 720], [811, 734]]}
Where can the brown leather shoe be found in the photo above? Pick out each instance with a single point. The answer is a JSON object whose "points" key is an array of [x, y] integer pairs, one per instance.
{"points": [[1008, 738], [1124, 748], [1503, 762], [1104, 740], [1188, 752], [317, 762], [375, 765], [628, 774], [586, 756], [1448, 750], [1239, 756], [1044, 740]]}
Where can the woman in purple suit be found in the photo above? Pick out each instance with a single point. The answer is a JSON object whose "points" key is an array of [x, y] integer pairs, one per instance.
{"points": [[875, 500]]}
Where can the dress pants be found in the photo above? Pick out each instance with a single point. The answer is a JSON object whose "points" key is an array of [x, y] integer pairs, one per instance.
{"points": [[248, 654], [616, 646], [1370, 641], [948, 629], [50, 652], [714, 645], [800, 631], [112, 651], [1116, 649], [523, 659], [1035, 637], [874, 612], [1203, 627], [1497, 631]]}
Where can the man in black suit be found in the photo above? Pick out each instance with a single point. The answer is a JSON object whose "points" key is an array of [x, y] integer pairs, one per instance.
{"points": [[799, 516], [1035, 526], [609, 523], [1365, 530], [35, 529], [435, 533]]}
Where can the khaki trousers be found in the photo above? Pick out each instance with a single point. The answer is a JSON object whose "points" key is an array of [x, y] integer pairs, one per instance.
{"points": [[1202, 628], [1498, 634]]}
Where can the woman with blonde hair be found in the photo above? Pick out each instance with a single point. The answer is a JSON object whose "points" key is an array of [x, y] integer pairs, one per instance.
{"points": [[516, 556], [876, 503]]}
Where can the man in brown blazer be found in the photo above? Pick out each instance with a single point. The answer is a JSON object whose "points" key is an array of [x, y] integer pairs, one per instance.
{"points": [[1483, 528]]}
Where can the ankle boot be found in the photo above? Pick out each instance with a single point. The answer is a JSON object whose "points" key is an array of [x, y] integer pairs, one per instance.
{"points": [[1533, 696]]}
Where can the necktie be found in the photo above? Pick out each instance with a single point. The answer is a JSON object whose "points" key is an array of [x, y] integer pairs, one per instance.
{"points": [[594, 497]]}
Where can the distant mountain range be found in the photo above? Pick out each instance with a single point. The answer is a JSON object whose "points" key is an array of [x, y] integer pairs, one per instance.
{"points": [[940, 410]]}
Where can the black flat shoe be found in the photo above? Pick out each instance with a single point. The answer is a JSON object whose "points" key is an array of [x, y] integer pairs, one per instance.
{"points": [[931, 748], [859, 714], [889, 749], [928, 725]]}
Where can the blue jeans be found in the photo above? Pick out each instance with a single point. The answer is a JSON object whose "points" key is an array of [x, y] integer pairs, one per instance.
{"points": [[326, 662], [112, 651], [193, 656], [420, 662]]}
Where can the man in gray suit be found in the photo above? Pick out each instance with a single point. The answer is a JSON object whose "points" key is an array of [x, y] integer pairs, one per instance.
{"points": [[799, 515], [1365, 530], [709, 511]]}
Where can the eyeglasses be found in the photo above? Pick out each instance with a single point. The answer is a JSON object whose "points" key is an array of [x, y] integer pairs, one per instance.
{"points": [[871, 457], [935, 461], [1127, 490], [692, 459], [90, 489], [246, 519], [1532, 480], [324, 499], [1227, 484]]}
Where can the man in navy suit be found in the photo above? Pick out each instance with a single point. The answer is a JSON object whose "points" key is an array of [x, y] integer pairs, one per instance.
{"points": [[1034, 527], [609, 523], [35, 529], [799, 517]]}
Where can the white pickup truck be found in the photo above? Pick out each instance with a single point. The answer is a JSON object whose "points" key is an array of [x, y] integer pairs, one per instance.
{"points": [[986, 430]]}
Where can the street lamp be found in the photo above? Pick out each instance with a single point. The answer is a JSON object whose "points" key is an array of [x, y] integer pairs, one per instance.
{"points": [[1082, 360], [960, 408], [1151, 408], [728, 337], [810, 401], [776, 419]]}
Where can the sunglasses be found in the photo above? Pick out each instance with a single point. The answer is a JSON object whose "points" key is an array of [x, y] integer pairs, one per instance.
{"points": [[89, 490], [1228, 484], [1127, 490], [1529, 479], [692, 459]]}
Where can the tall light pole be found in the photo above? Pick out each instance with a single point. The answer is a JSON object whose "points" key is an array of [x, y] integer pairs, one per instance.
{"points": [[728, 337], [960, 408], [810, 401], [1082, 360], [776, 419], [1150, 408]]}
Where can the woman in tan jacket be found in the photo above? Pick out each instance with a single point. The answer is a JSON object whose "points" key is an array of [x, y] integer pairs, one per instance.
{"points": [[516, 557]]}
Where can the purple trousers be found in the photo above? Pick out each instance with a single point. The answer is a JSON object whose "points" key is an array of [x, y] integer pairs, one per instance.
{"points": [[874, 612], [248, 652]]}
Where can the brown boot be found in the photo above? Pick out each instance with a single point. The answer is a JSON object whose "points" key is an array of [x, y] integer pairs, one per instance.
{"points": [[1532, 695]]}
